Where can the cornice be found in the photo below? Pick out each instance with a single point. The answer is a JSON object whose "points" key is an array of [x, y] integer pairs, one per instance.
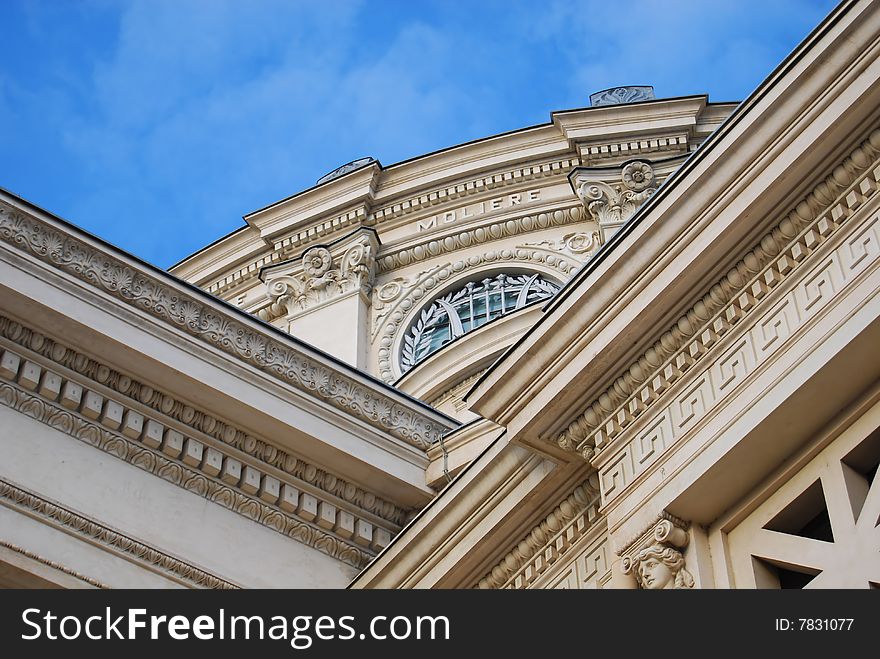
{"points": [[52, 564], [142, 399], [548, 541], [775, 142], [19, 499], [269, 497], [733, 297], [498, 482], [389, 216], [439, 197], [233, 333]]}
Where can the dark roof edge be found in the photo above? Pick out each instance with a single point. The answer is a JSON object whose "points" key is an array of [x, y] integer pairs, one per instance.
{"points": [[675, 179], [232, 309]]}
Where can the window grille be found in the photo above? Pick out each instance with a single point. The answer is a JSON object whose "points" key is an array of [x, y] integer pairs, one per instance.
{"points": [[467, 308]]}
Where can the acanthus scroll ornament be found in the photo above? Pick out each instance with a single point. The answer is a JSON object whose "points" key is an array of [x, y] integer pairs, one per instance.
{"points": [[320, 281], [613, 204]]}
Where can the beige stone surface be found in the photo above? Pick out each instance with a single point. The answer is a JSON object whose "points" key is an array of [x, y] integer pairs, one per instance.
{"points": [[690, 401]]}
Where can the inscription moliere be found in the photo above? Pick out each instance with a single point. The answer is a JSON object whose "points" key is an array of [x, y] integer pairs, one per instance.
{"points": [[474, 210]]}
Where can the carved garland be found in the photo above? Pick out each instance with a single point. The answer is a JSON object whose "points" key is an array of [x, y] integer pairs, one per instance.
{"points": [[201, 422], [221, 330], [394, 309], [559, 530], [734, 296], [18, 498], [470, 237], [55, 566], [175, 472]]}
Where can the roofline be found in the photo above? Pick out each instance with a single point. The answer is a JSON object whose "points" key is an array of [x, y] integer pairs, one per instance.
{"points": [[243, 315], [206, 247], [514, 131], [672, 182]]}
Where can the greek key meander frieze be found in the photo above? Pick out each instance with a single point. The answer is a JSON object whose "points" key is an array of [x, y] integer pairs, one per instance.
{"points": [[549, 541], [740, 294], [307, 476], [52, 564], [216, 328], [146, 443], [656, 559], [20, 499]]}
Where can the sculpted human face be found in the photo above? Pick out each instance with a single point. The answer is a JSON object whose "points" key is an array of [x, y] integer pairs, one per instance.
{"points": [[655, 574]]}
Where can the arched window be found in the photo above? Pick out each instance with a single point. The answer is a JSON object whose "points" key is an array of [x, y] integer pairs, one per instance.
{"points": [[467, 308]]}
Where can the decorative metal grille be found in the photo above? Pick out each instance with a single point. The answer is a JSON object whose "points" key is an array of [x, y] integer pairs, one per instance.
{"points": [[467, 308]]}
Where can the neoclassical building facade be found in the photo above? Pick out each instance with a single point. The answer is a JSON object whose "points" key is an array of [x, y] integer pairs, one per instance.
{"points": [[633, 347]]}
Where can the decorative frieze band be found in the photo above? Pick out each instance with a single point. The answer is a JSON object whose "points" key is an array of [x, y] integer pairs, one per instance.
{"points": [[17, 498], [735, 296], [125, 433], [52, 564], [548, 541], [475, 186], [596, 153], [217, 328], [359, 217], [199, 422], [477, 236]]}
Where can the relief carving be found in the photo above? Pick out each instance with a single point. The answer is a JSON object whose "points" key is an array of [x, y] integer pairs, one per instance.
{"points": [[612, 205], [729, 302], [197, 315], [324, 277], [579, 246], [658, 563]]}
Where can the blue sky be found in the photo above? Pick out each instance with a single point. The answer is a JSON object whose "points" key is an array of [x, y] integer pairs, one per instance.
{"points": [[157, 124]]}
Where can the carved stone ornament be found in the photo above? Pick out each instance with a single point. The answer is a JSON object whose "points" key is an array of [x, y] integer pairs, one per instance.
{"points": [[396, 302], [732, 301], [657, 563], [62, 248], [621, 95], [323, 275], [578, 246], [613, 204]]}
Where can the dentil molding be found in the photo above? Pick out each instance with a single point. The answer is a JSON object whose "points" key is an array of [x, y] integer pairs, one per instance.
{"points": [[134, 394], [781, 251], [216, 327], [548, 541]]}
